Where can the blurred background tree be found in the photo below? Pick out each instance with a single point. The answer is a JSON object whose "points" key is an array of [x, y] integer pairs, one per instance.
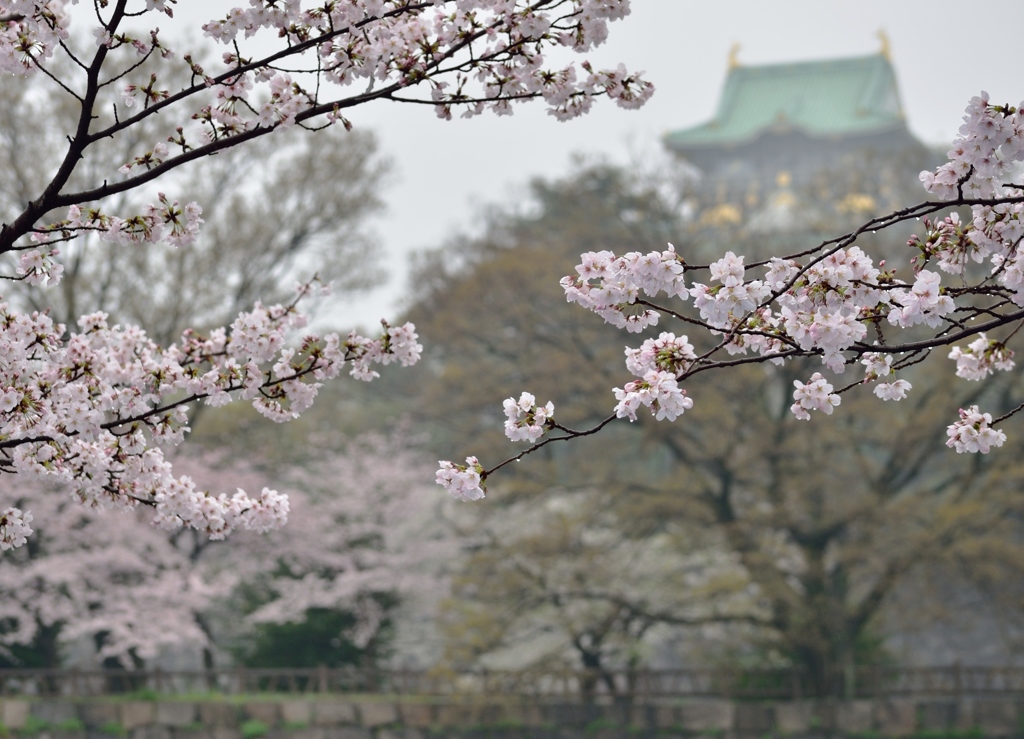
{"points": [[277, 211]]}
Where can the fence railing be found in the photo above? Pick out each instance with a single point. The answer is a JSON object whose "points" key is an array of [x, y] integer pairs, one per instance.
{"points": [[864, 682]]}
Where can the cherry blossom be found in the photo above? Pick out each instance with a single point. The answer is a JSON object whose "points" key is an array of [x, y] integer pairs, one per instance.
{"points": [[656, 390], [464, 482], [974, 432], [668, 353], [527, 421], [14, 528], [127, 590], [816, 395], [610, 285], [879, 367], [982, 357]]}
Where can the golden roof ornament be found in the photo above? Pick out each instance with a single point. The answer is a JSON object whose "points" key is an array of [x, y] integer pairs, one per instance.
{"points": [[885, 51], [734, 56]]}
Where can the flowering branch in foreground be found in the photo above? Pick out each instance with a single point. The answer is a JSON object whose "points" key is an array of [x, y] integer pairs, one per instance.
{"points": [[94, 408], [822, 302]]}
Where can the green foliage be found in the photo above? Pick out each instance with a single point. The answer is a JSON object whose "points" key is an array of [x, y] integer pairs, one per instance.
{"points": [[34, 725], [974, 733], [508, 724], [42, 653], [71, 724], [113, 728], [870, 734], [143, 694], [253, 728], [295, 725], [601, 724], [318, 640]]}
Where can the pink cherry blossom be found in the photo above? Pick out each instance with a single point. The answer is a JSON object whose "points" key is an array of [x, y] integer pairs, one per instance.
{"points": [[464, 482], [974, 432], [816, 395], [527, 421]]}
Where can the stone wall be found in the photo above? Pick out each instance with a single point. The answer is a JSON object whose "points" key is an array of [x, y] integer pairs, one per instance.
{"points": [[381, 717]]}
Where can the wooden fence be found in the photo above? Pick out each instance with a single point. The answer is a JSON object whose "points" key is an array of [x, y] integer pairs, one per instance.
{"points": [[864, 682]]}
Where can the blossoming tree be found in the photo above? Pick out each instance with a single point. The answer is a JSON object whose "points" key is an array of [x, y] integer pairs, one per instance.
{"points": [[129, 591], [94, 408], [831, 303]]}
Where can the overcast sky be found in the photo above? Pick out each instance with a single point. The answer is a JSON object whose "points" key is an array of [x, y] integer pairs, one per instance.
{"points": [[944, 53]]}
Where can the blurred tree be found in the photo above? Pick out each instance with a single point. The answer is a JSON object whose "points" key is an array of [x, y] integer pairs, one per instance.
{"points": [[319, 638], [109, 583], [276, 211], [371, 558], [370, 542], [569, 583]]}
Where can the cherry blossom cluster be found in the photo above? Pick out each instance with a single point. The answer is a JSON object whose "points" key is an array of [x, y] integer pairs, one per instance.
{"points": [[165, 220], [92, 410], [815, 395], [879, 367], [610, 285], [39, 267], [464, 482], [30, 33], [14, 528], [974, 432], [656, 363], [668, 353], [993, 233], [656, 390], [396, 344], [527, 421], [991, 140], [981, 358], [471, 55]]}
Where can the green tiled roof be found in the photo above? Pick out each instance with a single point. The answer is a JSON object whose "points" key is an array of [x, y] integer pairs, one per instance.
{"points": [[826, 98]]}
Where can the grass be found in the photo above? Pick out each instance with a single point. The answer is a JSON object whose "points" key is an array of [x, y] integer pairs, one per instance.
{"points": [[34, 725], [253, 728], [601, 724], [113, 728], [71, 724]]}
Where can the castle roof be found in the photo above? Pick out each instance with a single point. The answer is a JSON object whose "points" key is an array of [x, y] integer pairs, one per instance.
{"points": [[824, 99]]}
